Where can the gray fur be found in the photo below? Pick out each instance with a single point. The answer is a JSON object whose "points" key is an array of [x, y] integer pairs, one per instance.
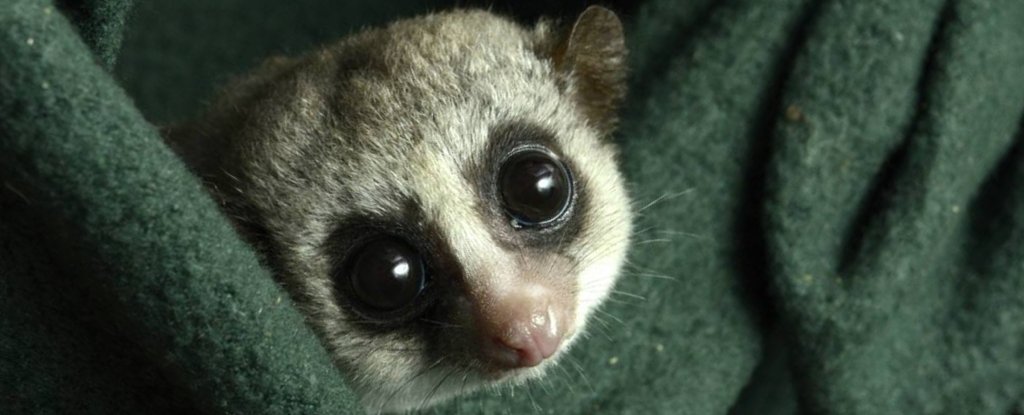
{"points": [[389, 118]]}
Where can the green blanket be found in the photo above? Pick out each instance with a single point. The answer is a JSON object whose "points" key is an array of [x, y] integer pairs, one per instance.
{"points": [[831, 200]]}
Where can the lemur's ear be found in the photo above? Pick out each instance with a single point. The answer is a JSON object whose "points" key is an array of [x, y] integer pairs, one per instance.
{"points": [[593, 57]]}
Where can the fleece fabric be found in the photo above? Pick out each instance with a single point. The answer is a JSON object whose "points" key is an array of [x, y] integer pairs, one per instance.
{"points": [[830, 200]]}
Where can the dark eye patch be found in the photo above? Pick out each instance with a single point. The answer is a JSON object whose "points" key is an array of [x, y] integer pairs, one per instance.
{"points": [[535, 186], [547, 226], [386, 274], [389, 271], [379, 273]]}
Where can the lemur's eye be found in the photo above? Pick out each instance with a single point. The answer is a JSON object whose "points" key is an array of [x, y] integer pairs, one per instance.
{"points": [[535, 187], [387, 274]]}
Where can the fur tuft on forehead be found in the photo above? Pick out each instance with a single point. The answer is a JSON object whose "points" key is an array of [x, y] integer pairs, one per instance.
{"points": [[402, 131]]}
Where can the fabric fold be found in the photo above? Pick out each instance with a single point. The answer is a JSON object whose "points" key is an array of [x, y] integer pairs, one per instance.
{"points": [[874, 179], [165, 267]]}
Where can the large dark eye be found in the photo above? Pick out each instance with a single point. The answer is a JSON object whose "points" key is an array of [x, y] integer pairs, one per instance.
{"points": [[387, 274], [535, 187]]}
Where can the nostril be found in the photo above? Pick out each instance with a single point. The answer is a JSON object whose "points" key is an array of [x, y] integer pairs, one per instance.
{"points": [[525, 350], [518, 352], [546, 342], [502, 353]]}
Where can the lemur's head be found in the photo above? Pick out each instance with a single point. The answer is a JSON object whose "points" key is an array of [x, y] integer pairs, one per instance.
{"points": [[440, 196]]}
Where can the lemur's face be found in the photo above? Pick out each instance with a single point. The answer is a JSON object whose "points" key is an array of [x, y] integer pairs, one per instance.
{"points": [[439, 197]]}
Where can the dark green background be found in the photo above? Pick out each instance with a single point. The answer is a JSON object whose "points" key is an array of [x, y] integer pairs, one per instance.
{"points": [[831, 200]]}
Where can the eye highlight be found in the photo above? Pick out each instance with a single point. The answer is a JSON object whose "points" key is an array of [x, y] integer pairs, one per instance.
{"points": [[535, 187], [386, 274]]}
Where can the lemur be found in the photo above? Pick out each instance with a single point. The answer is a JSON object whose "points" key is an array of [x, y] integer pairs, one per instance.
{"points": [[440, 197]]}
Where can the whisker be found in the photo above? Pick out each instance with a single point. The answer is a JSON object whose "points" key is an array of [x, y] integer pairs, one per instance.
{"points": [[583, 374], [533, 402], [544, 386], [465, 377], [433, 391], [602, 327], [665, 197], [651, 275], [653, 241], [644, 230], [639, 271], [567, 379], [629, 294], [681, 233], [611, 316], [407, 383], [17, 192], [442, 323], [623, 302], [663, 234]]}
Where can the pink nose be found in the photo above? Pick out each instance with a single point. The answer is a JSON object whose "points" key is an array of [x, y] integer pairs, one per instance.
{"points": [[522, 328], [528, 345]]}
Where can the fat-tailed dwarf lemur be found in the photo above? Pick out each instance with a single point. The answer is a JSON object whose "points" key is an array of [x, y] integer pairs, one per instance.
{"points": [[440, 197]]}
